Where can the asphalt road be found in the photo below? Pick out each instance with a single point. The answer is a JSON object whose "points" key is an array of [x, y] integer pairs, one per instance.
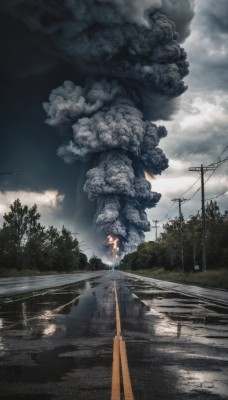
{"points": [[57, 343]]}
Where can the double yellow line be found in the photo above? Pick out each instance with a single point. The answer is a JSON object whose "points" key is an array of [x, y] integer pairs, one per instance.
{"points": [[120, 354]]}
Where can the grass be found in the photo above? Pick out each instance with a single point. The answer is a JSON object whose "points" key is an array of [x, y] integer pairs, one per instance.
{"points": [[217, 278]]}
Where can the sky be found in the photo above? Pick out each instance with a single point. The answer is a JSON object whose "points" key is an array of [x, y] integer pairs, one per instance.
{"points": [[197, 130], [198, 133]]}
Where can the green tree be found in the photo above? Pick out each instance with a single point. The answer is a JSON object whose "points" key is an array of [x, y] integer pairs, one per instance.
{"points": [[83, 261], [171, 245], [96, 263], [67, 252], [216, 236], [24, 243], [193, 241], [20, 226]]}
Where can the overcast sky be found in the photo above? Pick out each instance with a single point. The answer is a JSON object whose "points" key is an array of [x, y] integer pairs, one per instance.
{"points": [[197, 133]]}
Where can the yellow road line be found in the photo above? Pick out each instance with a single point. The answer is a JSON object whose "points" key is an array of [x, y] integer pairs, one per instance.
{"points": [[119, 352], [116, 370], [128, 394], [118, 324]]}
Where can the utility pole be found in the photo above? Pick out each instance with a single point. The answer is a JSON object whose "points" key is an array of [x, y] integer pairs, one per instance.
{"points": [[201, 170], [156, 226], [180, 201]]}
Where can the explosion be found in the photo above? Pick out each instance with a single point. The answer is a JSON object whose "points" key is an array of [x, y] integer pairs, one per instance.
{"points": [[113, 244], [148, 177], [129, 68]]}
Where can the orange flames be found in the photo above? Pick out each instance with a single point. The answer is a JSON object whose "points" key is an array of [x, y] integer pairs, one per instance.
{"points": [[113, 243], [148, 177]]}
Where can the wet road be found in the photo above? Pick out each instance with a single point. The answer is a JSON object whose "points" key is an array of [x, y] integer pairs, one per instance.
{"points": [[13, 286], [58, 344]]}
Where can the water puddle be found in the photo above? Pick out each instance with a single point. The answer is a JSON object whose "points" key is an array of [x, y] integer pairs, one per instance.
{"points": [[212, 382]]}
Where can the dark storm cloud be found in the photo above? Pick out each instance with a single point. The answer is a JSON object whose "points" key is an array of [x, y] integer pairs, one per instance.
{"points": [[203, 119], [131, 39], [22, 52], [208, 46], [133, 67], [216, 16]]}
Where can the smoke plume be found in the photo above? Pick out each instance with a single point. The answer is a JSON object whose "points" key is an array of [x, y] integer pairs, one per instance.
{"points": [[133, 67]]}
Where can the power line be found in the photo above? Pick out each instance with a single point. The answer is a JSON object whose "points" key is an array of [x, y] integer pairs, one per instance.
{"points": [[215, 164], [169, 210], [200, 186], [221, 154], [202, 170], [190, 187], [194, 194], [219, 195], [172, 214]]}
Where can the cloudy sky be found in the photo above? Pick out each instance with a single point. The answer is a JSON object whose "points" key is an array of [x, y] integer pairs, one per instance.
{"points": [[197, 132]]}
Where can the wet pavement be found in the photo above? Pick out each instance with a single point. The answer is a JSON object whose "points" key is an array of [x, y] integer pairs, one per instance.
{"points": [[23, 284], [58, 342]]}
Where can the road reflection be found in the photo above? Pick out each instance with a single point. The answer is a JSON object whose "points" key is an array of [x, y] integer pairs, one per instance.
{"points": [[62, 338]]}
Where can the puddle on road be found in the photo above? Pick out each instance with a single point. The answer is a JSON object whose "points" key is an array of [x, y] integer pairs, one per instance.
{"points": [[23, 309], [188, 333], [208, 381], [158, 321], [181, 316], [155, 294], [33, 352]]}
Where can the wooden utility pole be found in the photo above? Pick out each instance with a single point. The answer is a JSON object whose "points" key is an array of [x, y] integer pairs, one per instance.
{"points": [[180, 201], [201, 170]]}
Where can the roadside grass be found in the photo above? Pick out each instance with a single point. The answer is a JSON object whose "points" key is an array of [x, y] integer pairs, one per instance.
{"points": [[217, 278]]}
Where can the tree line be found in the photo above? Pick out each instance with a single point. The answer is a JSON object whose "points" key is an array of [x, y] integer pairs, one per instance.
{"points": [[26, 244], [179, 246]]}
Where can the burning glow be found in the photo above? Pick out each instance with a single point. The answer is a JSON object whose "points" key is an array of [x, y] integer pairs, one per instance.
{"points": [[148, 177], [113, 243]]}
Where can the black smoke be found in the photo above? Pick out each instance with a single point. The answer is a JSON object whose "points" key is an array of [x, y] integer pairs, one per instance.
{"points": [[133, 69]]}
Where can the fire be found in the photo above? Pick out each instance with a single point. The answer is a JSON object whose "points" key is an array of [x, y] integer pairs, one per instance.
{"points": [[148, 177], [113, 243]]}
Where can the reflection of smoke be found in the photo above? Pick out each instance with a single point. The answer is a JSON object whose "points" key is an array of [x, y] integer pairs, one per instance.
{"points": [[133, 65]]}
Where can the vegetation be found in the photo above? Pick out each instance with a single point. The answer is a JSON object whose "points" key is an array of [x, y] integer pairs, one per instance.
{"points": [[27, 247], [96, 263], [217, 278], [179, 246]]}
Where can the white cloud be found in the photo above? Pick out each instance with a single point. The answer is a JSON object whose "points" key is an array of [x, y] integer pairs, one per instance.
{"points": [[48, 202]]}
